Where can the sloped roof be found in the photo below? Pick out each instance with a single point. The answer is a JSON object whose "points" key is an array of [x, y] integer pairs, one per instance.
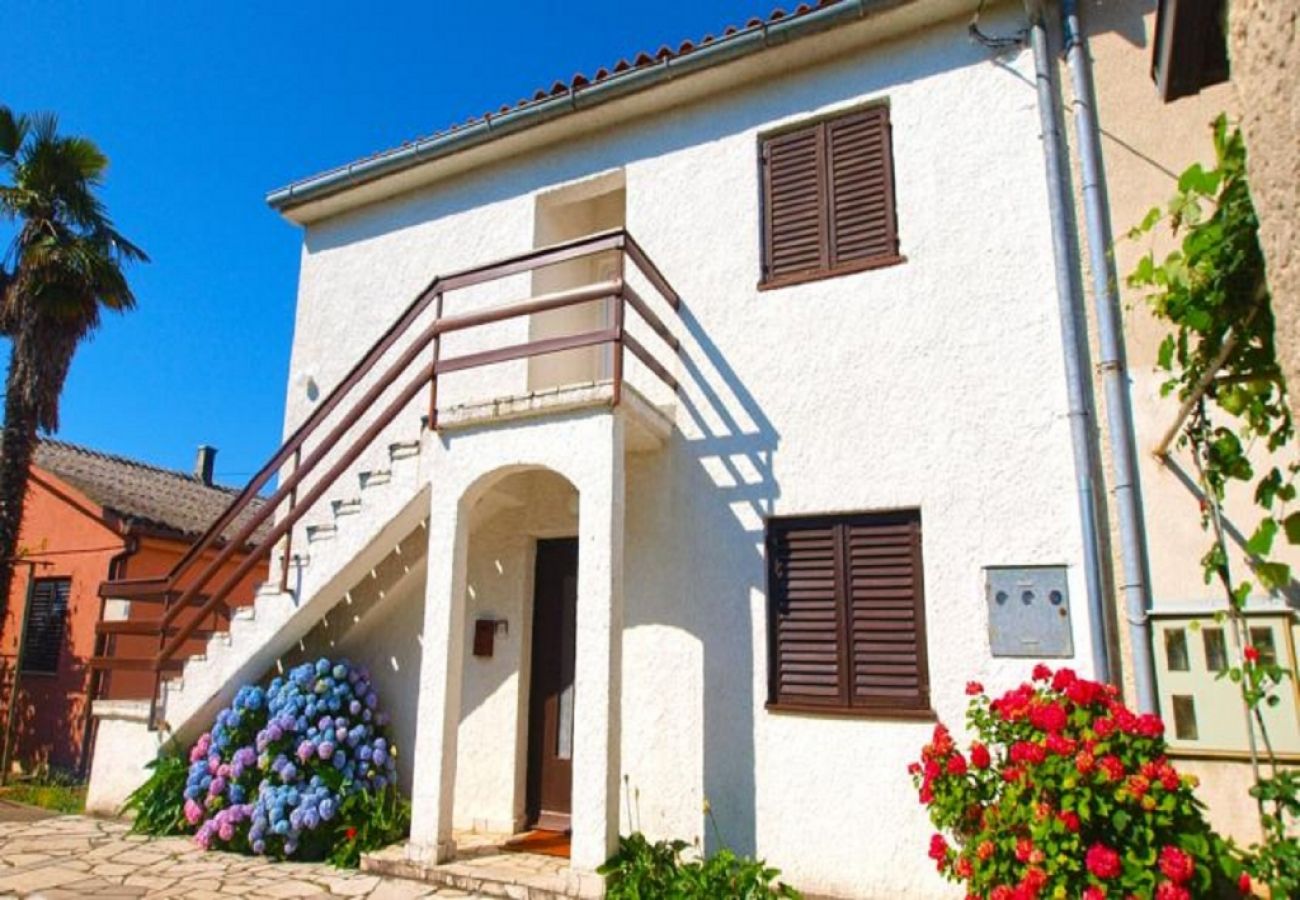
{"points": [[147, 496], [420, 148]]}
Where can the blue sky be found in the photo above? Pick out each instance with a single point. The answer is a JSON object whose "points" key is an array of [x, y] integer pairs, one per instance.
{"points": [[204, 107]]}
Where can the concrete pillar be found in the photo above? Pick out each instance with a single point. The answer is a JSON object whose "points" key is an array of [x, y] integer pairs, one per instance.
{"points": [[598, 663], [438, 710]]}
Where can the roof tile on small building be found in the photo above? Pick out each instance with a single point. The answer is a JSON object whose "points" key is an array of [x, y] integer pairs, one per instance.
{"points": [[142, 495]]}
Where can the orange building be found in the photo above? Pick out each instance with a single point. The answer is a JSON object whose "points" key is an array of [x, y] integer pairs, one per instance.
{"points": [[87, 517]]}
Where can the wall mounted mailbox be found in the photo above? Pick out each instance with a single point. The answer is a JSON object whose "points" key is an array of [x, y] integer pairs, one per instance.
{"points": [[485, 631], [1029, 611]]}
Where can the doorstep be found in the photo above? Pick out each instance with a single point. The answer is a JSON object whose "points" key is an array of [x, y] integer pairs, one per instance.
{"points": [[482, 866]]}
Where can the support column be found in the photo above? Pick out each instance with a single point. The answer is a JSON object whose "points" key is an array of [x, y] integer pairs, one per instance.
{"points": [[441, 671], [598, 664]]}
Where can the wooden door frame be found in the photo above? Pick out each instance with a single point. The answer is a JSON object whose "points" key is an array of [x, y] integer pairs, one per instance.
{"points": [[525, 757]]}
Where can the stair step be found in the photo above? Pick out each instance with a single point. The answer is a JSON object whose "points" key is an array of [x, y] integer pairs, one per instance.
{"points": [[349, 506], [375, 477], [403, 449], [323, 532]]}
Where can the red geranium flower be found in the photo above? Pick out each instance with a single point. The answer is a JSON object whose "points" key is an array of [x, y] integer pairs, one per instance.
{"points": [[938, 848], [1251, 652], [1024, 848], [956, 764], [1070, 820], [973, 688], [979, 755], [1042, 672], [1167, 890], [1102, 861], [1092, 892], [351, 833], [1243, 883], [1176, 865]]}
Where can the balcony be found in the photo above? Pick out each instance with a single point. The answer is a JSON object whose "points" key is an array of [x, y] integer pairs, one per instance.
{"points": [[458, 356]]}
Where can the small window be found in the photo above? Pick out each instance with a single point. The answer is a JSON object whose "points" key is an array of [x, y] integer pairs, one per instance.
{"points": [[43, 639], [828, 198], [846, 614], [1176, 649], [1261, 638], [1216, 650], [1184, 717]]}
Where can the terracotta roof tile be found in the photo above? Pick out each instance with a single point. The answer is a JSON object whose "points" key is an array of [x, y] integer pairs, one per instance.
{"points": [[141, 494]]}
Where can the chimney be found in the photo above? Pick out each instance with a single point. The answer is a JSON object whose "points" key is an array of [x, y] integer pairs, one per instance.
{"points": [[204, 462]]}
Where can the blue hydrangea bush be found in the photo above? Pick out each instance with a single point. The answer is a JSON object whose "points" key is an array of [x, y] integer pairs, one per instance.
{"points": [[303, 768]]}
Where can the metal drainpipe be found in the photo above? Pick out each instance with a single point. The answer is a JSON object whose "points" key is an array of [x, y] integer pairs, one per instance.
{"points": [[1114, 369], [1070, 304]]}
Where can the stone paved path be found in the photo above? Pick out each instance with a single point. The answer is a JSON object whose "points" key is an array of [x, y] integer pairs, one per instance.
{"points": [[77, 856]]}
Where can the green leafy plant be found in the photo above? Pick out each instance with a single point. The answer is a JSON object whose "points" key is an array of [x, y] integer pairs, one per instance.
{"points": [[1221, 362], [158, 805], [1066, 793], [642, 870], [369, 821], [645, 870]]}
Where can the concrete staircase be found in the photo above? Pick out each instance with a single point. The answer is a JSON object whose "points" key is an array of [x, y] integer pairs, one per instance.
{"points": [[352, 533]]}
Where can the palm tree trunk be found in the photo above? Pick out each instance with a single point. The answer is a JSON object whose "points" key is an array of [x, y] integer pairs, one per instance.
{"points": [[15, 461]]}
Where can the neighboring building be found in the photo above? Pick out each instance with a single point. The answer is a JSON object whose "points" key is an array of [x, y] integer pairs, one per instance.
{"points": [[87, 517], [751, 449], [1163, 76]]}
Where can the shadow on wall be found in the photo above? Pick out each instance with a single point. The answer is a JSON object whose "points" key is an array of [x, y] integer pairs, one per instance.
{"points": [[762, 105], [705, 499], [50, 717], [1291, 592], [378, 624]]}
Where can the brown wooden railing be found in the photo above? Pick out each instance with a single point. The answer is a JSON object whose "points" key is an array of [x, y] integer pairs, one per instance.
{"points": [[245, 533]]}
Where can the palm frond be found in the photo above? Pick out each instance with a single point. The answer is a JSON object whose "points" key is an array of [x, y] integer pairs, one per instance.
{"points": [[13, 131]]}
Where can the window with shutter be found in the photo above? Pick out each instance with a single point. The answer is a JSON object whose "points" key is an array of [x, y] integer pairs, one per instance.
{"points": [[828, 198], [43, 639], [847, 614]]}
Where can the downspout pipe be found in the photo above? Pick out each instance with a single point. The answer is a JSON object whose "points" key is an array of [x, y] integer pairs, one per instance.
{"points": [[1074, 339], [1111, 359]]}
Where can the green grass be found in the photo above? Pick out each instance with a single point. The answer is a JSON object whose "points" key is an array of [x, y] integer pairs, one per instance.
{"points": [[63, 798]]}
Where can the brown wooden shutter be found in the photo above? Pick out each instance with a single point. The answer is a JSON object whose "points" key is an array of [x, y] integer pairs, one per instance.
{"points": [[828, 198], [46, 619], [886, 612], [861, 188], [806, 619], [794, 204]]}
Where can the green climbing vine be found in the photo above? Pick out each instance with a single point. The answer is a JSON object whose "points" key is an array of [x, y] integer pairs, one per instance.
{"points": [[1220, 362]]}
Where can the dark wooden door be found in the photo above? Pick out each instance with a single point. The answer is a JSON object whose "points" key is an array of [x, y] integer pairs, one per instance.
{"points": [[550, 702]]}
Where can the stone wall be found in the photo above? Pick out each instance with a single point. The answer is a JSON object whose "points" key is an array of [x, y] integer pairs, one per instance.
{"points": [[1265, 64]]}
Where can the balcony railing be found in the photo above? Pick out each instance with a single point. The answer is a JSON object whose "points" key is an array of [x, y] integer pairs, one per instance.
{"points": [[195, 595]]}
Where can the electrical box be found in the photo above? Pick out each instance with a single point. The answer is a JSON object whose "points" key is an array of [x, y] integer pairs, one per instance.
{"points": [[1029, 611]]}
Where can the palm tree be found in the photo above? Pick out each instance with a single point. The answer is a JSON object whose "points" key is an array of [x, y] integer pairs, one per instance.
{"points": [[63, 266]]}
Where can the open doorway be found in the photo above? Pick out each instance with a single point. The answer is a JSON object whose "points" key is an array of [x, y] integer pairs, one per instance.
{"points": [[573, 211]]}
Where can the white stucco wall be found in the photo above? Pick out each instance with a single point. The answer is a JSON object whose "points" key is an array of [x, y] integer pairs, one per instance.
{"points": [[935, 384]]}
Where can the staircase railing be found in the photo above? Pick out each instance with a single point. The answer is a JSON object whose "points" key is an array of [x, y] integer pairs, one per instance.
{"points": [[247, 531]]}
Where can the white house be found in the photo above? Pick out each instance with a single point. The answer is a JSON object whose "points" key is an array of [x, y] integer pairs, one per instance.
{"points": [[688, 435]]}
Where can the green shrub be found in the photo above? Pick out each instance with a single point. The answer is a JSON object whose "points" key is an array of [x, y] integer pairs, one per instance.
{"points": [[642, 870], [1066, 793], [159, 803]]}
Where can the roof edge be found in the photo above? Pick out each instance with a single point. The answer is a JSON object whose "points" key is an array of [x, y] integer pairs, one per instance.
{"points": [[575, 99]]}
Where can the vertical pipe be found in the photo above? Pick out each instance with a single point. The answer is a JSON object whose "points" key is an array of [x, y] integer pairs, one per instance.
{"points": [[1070, 305], [1111, 362]]}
